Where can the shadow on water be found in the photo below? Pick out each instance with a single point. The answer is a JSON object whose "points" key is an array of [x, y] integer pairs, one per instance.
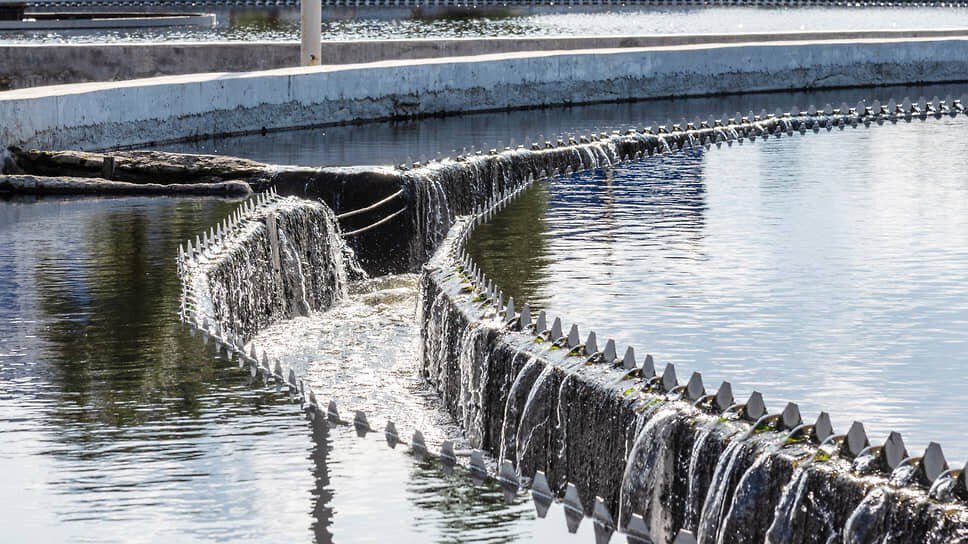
{"points": [[514, 245]]}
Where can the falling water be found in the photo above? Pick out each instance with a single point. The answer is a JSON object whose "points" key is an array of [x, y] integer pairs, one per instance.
{"points": [[532, 443], [737, 456], [648, 484], [761, 484], [473, 371], [254, 281], [675, 466], [514, 407], [702, 463]]}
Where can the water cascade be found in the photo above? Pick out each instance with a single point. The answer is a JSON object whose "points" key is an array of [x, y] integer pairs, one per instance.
{"points": [[644, 448], [280, 259], [638, 451]]}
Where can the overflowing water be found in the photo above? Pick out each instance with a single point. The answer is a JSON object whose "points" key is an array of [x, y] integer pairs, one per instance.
{"points": [[362, 23], [281, 261], [83, 313], [120, 425], [402, 142], [825, 269]]}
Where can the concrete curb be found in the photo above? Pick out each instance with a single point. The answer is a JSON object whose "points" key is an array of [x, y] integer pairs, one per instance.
{"points": [[32, 65], [107, 115]]}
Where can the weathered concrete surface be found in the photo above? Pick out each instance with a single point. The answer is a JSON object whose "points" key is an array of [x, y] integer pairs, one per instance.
{"points": [[105, 115], [41, 185], [32, 65]]}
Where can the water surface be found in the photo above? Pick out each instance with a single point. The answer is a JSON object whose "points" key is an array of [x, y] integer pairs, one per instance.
{"points": [[828, 269], [362, 23], [119, 425], [425, 139]]}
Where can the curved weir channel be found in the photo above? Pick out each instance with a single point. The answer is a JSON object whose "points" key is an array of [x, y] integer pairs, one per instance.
{"points": [[154, 409], [828, 270]]}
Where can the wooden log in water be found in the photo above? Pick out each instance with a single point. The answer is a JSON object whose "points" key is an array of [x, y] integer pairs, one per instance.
{"points": [[42, 185]]}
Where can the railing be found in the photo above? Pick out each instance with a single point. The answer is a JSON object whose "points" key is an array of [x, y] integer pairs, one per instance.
{"points": [[370, 208]]}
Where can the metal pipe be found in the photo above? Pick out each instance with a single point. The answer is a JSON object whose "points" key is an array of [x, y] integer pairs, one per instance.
{"points": [[310, 29], [370, 207], [374, 225]]}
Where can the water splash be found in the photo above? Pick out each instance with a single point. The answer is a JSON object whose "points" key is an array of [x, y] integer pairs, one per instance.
{"points": [[648, 479], [258, 277], [734, 461]]}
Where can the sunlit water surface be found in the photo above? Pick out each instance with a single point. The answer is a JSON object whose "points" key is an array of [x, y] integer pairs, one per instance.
{"points": [[830, 269], [118, 425], [282, 24]]}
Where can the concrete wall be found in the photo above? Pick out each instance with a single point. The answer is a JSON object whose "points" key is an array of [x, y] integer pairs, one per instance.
{"points": [[32, 65], [103, 115]]}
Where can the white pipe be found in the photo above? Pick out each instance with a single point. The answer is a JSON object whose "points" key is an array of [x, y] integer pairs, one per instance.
{"points": [[311, 22]]}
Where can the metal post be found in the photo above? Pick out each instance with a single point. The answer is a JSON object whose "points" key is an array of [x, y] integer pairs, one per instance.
{"points": [[311, 21]]}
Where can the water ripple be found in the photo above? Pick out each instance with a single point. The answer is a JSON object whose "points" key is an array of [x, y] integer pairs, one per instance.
{"points": [[826, 269]]}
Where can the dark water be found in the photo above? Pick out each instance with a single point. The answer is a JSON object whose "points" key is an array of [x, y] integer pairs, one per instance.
{"points": [[408, 141], [118, 425], [343, 23], [827, 269]]}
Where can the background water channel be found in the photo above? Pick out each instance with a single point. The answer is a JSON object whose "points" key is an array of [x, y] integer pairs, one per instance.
{"points": [[827, 269], [397, 142], [343, 23]]}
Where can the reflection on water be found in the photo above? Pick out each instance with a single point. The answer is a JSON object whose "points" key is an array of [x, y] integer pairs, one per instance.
{"points": [[362, 23], [826, 269], [120, 426], [407, 141]]}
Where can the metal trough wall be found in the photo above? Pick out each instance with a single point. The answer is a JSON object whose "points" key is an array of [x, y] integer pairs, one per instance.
{"points": [[642, 447]]}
